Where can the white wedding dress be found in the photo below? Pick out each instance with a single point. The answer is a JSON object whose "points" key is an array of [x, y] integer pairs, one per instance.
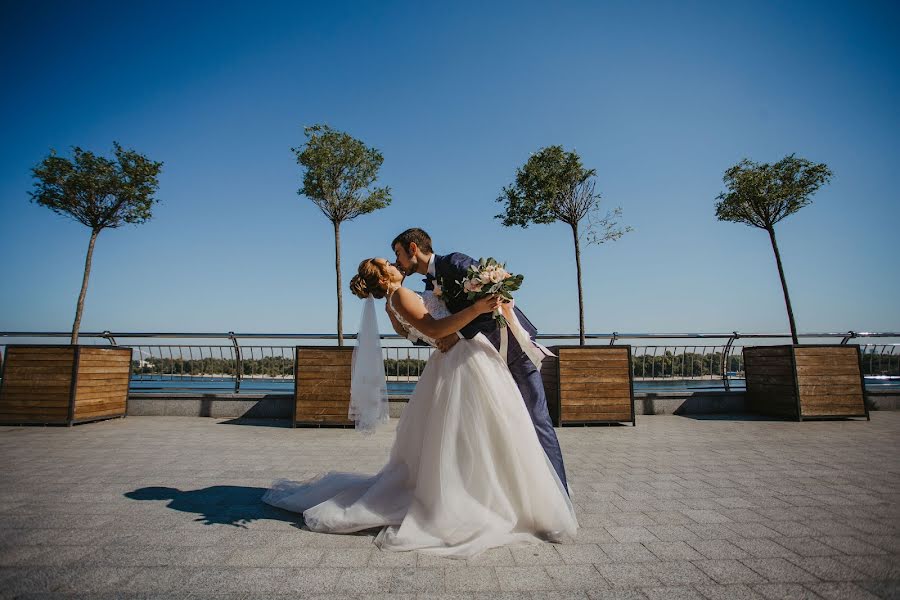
{"points": [[466, 472]]}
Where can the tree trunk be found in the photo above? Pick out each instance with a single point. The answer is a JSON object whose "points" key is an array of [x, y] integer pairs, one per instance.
{"points": [[84, 285], [337, 269], [580, 292], [787, 298]]}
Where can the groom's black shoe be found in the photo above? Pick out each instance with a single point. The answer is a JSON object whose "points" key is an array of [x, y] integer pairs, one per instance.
{"points": [[554, 537]]}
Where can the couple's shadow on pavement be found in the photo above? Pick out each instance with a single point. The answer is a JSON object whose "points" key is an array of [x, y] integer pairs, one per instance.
{"points": [[219, 504]]}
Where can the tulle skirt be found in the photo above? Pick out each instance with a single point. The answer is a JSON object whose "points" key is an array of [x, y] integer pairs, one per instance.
{"points": [[466, 472]]}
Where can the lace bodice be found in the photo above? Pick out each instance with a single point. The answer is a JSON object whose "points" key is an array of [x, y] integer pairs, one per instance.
{"points": [[435, 307]]}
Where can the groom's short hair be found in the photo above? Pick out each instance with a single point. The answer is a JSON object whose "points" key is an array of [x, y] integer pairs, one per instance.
{"points": [[416, 236]]}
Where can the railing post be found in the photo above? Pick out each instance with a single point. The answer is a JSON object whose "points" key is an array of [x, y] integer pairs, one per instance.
{"points": [[850, 335], [109, 338], [614, 337], [725, 354], [238, 363]]}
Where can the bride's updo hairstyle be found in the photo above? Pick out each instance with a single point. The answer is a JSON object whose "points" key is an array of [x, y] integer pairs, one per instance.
{"points": [[368, 279]]}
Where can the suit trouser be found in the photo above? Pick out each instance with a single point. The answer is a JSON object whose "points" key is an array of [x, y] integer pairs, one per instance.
{"points": [[528, 378]]}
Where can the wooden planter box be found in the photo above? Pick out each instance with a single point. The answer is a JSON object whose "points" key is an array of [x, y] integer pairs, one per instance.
{"points": [[68, 384], [805, 381], [322, 386], [589, 384]]}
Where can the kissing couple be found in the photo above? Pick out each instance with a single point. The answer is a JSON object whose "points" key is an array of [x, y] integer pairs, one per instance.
{"points": [[475, 463]]}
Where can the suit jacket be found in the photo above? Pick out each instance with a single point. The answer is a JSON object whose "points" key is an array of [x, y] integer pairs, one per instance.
{"points": [[453, 267]]}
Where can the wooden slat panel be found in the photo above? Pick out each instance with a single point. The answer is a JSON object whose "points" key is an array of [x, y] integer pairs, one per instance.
{"points": [[825, 351], [830, 389], [50, 353], [324, 361], [830, 380], [35, 403], [594, 384], [828, 370]]}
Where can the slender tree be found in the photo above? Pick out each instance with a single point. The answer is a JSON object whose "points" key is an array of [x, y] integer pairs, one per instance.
{"points": [[97, 192], [761, 195], [554, 186], [339, 173]]}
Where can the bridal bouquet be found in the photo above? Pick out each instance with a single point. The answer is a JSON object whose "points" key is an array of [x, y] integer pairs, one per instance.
{"points": [[490, 277]]}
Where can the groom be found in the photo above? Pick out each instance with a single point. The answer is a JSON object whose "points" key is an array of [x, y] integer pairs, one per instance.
{"points": [[414, 255]]}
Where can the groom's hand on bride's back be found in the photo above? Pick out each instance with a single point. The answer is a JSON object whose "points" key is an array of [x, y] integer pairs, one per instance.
{"points": [[445, 343]]}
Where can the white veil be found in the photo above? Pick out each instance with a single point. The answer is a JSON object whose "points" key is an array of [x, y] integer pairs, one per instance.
{"points": [[368, 387]]}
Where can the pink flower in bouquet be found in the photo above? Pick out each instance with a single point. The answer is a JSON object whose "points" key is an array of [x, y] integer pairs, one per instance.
{"points": [[497, 276], [473, 286]]}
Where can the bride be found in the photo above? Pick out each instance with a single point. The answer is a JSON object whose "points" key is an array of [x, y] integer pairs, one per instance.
{"points": [[466, 471]]}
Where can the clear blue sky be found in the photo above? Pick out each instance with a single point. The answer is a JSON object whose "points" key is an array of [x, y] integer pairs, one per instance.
{"points": [[660, 98]]}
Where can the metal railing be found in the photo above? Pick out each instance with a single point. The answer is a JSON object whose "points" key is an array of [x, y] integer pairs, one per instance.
{"points": [[244, 358]]}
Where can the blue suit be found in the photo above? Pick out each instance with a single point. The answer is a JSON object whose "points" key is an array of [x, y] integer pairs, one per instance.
{"points": [[453, 267]]}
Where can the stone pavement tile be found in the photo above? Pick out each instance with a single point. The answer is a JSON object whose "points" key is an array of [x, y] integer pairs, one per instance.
{"points": [[577, 577], [736, 502], [700, 504], [346, 557], [803, 546], [314, 580], [471, 579], [831, 527], [883, 588], [630, 519], [741, 515], [672, 533], [828, 568], [752, 530], [594, 535], [628, 553], [616, 594], [889, 543], [850, 545], [536, 554], [495, 595], [493, 557], [365, 580], [593, 520], [785, 591], [385, 558], [677, 573], [252, 557], [763, 548], [671, 517], [426, 560], [17, 581], [12, 556], [673, 551], [727, 571], [261, 580], [62, 556], [792, 529], [297, 557], [407, 580], [628, 575], [94, 579], [728, 592], [712, 531], [524, 578], [627, 535], [159, 580], [841, 591], [706, 516], [673, 593], [581, 554], [779, 570], [718, 549], [876, 567]]}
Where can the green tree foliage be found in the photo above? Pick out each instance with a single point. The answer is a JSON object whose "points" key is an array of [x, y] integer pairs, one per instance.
{"points": [[98, 192], [762, 194], [338, 178], [552, 186]]}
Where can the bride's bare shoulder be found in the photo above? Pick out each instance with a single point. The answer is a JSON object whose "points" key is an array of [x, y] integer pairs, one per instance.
{"points": [[407, 298]]}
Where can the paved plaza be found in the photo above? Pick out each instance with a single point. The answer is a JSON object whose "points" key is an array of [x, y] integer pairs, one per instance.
{"points": [[677, 507]]}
